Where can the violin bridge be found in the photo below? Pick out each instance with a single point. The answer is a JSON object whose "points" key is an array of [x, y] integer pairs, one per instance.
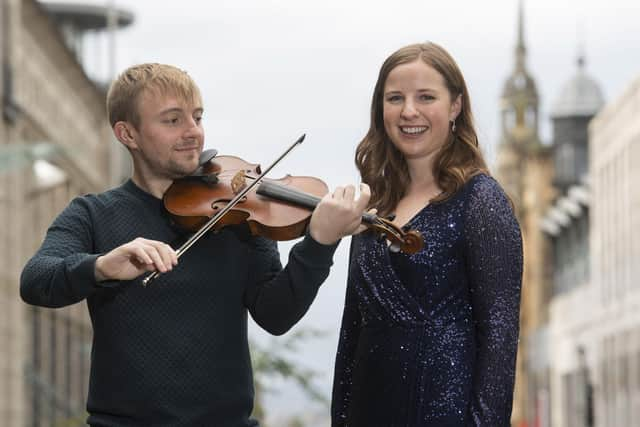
{"points": [[238, 182]]}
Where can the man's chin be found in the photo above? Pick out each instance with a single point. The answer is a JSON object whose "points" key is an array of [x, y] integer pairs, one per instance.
{"points": [[183, 171]]}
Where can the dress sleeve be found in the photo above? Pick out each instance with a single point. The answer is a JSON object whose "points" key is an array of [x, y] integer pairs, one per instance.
{"points": [[347, 343], [277, 297], [494, 264], [62, 272]]}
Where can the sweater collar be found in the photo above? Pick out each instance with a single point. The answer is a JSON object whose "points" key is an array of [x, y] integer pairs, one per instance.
{"points": [[131, 187]]}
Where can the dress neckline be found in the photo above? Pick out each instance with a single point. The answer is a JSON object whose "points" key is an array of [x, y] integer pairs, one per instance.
{"points": [[419, 212]]}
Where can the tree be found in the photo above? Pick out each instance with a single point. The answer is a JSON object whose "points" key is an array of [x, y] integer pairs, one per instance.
{"points": [[274, 360]]}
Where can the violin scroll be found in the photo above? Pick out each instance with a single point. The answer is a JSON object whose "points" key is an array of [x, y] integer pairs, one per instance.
{"points": [[409, 242]]}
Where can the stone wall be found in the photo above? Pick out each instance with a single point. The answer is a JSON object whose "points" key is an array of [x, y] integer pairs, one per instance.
{"points": [[58, 146]]}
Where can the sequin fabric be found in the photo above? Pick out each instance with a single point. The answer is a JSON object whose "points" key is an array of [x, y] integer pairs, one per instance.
{"points": [[430, 339]]}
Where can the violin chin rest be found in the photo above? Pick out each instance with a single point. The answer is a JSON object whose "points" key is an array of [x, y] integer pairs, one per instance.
{"points": [[207, 155], [210, 179]]}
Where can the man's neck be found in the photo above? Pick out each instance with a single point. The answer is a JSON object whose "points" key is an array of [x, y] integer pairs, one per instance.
{"points": [[156, 187]]}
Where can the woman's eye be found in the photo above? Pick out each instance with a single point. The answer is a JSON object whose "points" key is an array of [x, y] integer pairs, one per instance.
{"points": [[425, 97], [394, 98], [198, 119]]}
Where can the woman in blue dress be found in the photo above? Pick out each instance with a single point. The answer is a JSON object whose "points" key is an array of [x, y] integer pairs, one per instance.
{"points": [[429, 339]]}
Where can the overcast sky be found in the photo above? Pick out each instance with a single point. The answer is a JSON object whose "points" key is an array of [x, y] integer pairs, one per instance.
{"points": [[270, 70]]}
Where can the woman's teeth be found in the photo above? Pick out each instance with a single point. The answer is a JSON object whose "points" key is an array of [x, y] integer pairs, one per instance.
{"points": [[413, 130]]}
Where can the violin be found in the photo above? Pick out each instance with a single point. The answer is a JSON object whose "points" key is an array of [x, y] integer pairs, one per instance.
{"points": [[227, 190]]}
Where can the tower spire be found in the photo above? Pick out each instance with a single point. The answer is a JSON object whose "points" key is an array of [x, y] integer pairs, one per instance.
{"points": [[581, 57], [521, 50], [519, 96]]}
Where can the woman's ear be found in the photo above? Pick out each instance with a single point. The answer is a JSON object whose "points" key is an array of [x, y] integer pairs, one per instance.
{"points": [[124, 132], [456, 108]]}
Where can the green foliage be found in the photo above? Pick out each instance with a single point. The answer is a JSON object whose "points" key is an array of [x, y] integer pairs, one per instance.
{"points": [[74, 421], [296, 422], [274, 360]]}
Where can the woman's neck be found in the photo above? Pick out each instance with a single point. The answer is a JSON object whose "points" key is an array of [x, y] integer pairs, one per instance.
{"points": [[422, 177]]}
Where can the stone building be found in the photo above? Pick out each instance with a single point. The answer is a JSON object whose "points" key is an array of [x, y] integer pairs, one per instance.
{"points": [[524, 167], [567, 227], [55, 143], [612, 339], [579, 356], [594, 316]]}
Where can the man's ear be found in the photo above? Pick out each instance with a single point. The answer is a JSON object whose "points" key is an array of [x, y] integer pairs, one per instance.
{"points": [[456, 108], [124, 132]]}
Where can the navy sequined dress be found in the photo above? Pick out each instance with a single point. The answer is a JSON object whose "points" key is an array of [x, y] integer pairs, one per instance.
{"points": [[430, 339]]}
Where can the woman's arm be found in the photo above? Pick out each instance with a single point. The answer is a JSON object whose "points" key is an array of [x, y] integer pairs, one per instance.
{"points": [[347, 343], [494, 264]]}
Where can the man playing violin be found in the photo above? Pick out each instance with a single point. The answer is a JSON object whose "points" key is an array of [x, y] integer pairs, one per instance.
{"points": [[174, 353]]}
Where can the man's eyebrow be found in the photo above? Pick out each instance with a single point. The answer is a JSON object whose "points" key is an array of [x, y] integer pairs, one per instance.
{"points": [[179, 110], [171, 110]]}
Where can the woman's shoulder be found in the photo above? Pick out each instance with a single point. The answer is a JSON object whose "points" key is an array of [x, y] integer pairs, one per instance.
{"points": [[484, 192], [488, 210], [483, 182], [484, 185]]}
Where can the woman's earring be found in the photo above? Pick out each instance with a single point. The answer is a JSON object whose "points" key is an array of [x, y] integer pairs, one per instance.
{"points": [[453, 126]]}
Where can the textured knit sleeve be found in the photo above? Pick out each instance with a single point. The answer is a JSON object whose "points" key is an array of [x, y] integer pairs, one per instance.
{"points": [[62, 270], [494, 262], [345, 360], [278, 297]]}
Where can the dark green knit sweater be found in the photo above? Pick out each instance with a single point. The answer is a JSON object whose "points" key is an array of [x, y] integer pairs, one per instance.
{"points": [[174, 353]]}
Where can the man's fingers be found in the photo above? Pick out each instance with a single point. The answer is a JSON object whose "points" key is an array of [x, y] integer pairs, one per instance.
{"points": [[153, 253], [167, 254], [365, 196], [349, 192], [141, 255], [338, 193], [339, 214], [131, 259]]}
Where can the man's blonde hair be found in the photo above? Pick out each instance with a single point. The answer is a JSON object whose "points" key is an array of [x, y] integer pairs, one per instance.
{"points": [[125, 91]]}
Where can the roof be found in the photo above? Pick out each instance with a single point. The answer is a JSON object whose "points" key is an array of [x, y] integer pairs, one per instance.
{"points": [[580, 96], [85, 16]]}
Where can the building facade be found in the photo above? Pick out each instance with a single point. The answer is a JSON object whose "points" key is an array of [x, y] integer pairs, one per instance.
{"points": [[575, 198], [613, 345], [55, 143], [594, 312], [567, 227], [524, 167]]}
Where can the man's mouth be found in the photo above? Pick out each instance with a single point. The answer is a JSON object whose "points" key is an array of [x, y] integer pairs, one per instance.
{"points": [[188, 148]]}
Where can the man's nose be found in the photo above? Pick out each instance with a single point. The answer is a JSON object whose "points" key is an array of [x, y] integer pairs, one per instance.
{"points": [[194, 128]]}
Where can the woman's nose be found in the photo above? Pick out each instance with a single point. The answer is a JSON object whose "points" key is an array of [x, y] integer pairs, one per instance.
{"points": [[409, 110]]}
